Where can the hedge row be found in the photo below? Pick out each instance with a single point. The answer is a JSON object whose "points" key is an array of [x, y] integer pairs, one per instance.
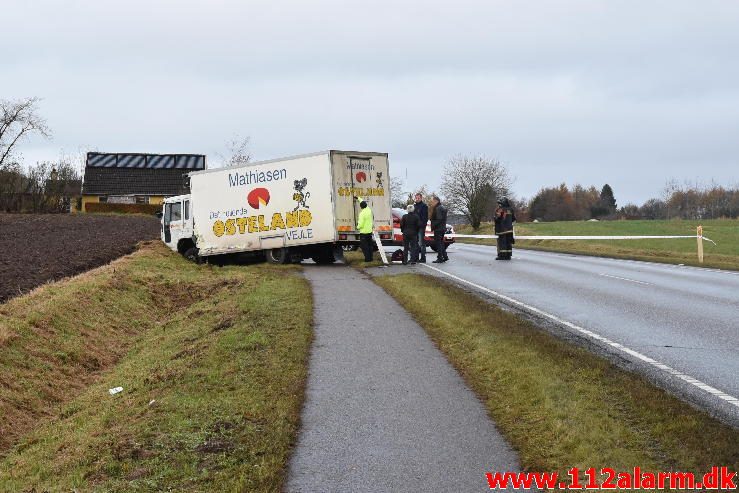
{"points": [[123, 208]]}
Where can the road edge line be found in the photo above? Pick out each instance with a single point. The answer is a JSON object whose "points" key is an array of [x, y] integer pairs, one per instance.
{"points": [[620, 348]]}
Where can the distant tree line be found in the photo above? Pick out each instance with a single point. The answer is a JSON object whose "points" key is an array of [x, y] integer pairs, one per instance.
{"points": [[471, 185], [576, 204], [688, 201], [45, 187]]}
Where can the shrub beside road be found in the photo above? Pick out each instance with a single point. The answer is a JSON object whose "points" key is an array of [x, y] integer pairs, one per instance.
{"points": [[558, 405], [212, 362], [723, 255]]}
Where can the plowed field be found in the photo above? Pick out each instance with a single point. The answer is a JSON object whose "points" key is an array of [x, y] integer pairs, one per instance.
{"points": [[35, 249]]}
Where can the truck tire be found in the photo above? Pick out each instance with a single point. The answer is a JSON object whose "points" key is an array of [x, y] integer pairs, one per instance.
{"points": [[324, 258], [278, 256], [192, 254]]}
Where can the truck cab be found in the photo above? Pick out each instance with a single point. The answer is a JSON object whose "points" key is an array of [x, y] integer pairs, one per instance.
{"points": [[177, 226]]}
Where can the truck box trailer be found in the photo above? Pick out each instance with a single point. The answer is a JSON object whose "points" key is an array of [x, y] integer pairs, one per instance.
{"points": [[287, 209]]}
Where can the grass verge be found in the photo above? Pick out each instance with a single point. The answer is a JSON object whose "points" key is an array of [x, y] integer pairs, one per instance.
{"points": [[723, 255], [558, 405], [212, 362], [356, 259]]}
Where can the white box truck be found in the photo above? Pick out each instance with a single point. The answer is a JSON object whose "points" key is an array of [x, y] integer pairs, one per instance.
{"points": [[286, 209]]}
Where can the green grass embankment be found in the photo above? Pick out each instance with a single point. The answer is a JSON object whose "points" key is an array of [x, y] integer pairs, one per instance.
{"points": [[212, 362], [558, 405]]}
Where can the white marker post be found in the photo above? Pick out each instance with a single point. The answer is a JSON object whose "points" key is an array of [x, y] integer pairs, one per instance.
{"points": [[699, 234]]}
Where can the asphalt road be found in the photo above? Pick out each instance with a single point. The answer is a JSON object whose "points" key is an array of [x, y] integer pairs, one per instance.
{"points": [[384, 410], [683, 317]]}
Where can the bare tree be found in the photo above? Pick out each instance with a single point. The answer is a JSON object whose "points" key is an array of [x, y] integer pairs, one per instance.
{"points": [[11, 186], [654, 209], [18, 119], [35, 188], [424, 190], [398, 197], [668, 191], [409, 196], [63, 183], [238, 151], [471, 185]]}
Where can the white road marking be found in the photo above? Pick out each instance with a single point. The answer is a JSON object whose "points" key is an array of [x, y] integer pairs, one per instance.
{"points": [[626, 279], [656, 364]]}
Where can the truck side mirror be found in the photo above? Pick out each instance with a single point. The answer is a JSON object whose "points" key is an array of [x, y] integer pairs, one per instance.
{"points": [[158, 214]]}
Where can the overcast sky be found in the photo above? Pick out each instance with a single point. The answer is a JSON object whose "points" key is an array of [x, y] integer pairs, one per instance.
{"points": [[631, 93]]}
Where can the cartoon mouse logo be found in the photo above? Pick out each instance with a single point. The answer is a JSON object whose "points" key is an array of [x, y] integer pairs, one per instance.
{"points": [[300, 196], [379, 179]]}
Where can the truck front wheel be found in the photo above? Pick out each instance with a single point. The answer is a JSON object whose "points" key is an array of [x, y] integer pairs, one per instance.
{"points": [[278, 256], [192, 254]]}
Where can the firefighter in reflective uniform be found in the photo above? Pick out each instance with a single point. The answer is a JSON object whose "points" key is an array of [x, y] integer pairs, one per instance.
{"points": [[504, 219]]}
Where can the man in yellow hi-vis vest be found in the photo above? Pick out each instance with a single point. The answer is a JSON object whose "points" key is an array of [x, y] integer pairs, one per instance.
{"points": [[365, 223]]}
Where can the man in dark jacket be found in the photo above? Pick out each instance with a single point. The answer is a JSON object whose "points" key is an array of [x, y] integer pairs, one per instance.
{"points": [[438, 226], [423, 216], [504, 219], [409, 225]]}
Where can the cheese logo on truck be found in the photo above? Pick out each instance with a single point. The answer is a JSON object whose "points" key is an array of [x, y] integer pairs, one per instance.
{"points": [[291, 222], [256, 224], [361, 177], [258, 197]]}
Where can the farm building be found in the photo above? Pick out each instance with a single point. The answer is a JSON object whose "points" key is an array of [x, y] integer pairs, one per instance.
{"points": [[128, 182]]}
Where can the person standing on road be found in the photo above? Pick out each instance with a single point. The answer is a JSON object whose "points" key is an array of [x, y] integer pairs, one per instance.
{"points": [[504, 229], [438, 226], [423, 216], [409, 225], [365, 224]]}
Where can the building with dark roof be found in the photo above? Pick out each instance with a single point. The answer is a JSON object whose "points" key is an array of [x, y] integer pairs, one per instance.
{"points": [[127, 178]]}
